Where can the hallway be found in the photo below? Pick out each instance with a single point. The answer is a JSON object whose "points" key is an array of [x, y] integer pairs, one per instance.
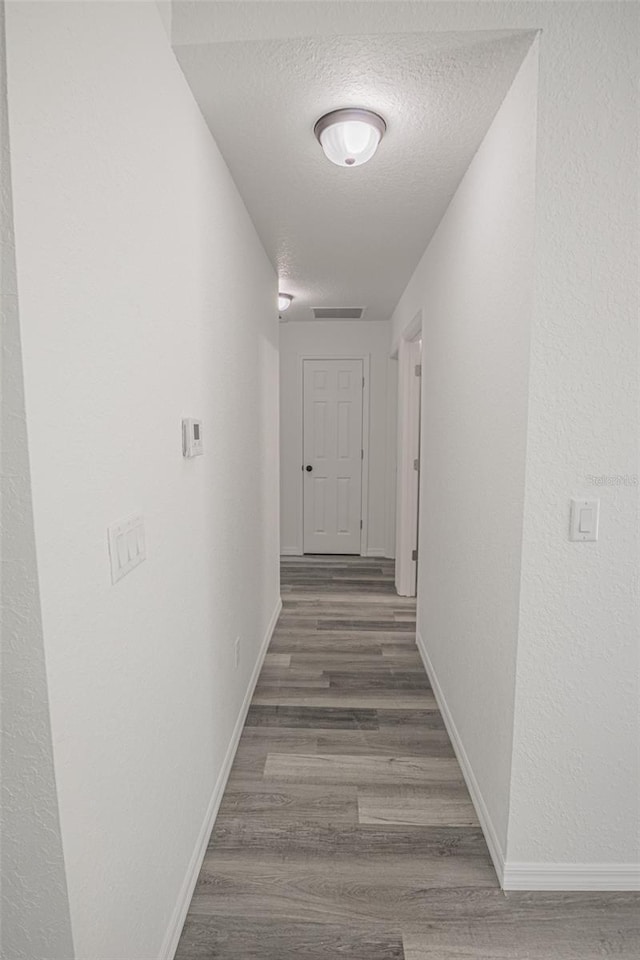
{"points": [[332, 282], [346, 828]]}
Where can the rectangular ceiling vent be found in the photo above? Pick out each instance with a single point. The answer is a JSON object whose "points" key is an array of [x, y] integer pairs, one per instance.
{"points": [[338, 313]]}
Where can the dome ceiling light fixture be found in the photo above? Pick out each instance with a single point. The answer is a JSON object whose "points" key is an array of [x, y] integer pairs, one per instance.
{"points": [[284, 301], [350, 137]]}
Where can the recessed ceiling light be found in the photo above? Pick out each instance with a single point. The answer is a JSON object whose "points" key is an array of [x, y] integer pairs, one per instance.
{"points": [[351, 136], [284, 301]]}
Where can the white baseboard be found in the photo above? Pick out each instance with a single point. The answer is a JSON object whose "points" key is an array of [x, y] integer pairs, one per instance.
{"points": [[528, 876], [172, 936], [571, 876], [477, 799], [376, 552], [297, 552]]}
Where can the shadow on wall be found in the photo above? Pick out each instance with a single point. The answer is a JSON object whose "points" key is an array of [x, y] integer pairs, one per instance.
{"points": [[35, 907]]}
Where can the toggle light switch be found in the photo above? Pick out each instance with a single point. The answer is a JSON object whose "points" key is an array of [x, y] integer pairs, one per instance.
{"points": [[584, 520]]}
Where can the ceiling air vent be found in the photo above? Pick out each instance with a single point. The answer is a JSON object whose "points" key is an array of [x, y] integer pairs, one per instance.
{"points": [[338, 313]]}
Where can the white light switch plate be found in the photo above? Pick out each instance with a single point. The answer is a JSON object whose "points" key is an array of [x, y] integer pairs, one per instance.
{"points": [[585, 515], [127, 548]]}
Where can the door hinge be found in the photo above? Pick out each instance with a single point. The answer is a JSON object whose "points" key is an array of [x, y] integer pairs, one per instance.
{"points": [[361, 524], [362, 454], [416, 464], [414, 554], [418, 369], [363, 383]]}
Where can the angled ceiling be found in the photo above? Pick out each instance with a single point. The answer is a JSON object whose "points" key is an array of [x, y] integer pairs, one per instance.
{"points": [[342, 237]]}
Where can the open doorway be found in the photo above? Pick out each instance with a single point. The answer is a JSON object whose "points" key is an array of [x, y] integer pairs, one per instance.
{"points": [[408, 487]]}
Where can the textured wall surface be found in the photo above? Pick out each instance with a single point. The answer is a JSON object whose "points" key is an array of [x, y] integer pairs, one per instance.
{"points": [[474, 286], [35, 908], [576, 787], [145, 296], [575, 792], [337, 338]]}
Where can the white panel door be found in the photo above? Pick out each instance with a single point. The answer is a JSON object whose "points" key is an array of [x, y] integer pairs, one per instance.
{"points": [[332, 445]]}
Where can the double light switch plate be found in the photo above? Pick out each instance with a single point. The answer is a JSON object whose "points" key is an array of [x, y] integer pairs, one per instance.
{"points": [[127, 546]]}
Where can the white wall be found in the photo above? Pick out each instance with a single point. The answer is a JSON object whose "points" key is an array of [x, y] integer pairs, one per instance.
{"points": [[339, 338], [35, 904], [145, 297], [570, 805], [474, 286], [576, 778]]}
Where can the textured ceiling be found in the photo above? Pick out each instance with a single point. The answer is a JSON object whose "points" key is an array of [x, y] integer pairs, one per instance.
{"points": [[339, 236]]}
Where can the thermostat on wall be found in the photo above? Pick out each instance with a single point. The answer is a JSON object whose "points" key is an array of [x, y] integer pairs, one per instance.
{"points": [[191, 438]]}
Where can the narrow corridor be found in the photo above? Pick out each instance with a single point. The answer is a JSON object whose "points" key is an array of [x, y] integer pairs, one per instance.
{"points": [[346, 829]]}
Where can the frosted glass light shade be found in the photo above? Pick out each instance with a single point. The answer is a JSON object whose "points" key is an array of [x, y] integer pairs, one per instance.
{"points": [[350, 137], [284, 301]]}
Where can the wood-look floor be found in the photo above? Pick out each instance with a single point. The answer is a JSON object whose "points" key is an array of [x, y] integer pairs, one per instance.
{"points": [[346, 830]]}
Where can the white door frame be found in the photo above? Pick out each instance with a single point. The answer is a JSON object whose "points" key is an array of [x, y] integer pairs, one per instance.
{"points": [[409, 400], [366, 364]]}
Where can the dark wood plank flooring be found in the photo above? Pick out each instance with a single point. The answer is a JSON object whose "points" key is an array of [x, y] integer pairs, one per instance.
{"points": [[346, 829]]}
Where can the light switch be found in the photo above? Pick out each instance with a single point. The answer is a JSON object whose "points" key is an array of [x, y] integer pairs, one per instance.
{"points": [[584, 520], [126, 546]]}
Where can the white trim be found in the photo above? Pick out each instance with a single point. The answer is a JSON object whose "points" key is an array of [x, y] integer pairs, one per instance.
{"points": [[366, 401], [375, 552], [172, 936], [364, 506], [413, 330], [527, 876], [409, 400], [391, 425], [477, 799], [290, 552], [571, 876]]}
